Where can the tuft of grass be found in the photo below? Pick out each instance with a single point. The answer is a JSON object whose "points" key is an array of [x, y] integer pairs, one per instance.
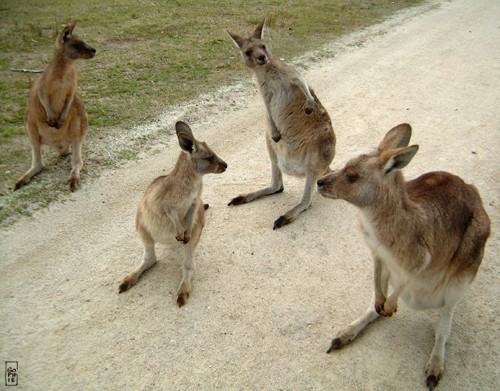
{"points": [[150, 55]]}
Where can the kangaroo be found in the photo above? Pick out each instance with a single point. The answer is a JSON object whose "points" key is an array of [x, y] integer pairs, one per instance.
{"points": [[55, 114], [172, 208], [300, 138], [426, 236]]}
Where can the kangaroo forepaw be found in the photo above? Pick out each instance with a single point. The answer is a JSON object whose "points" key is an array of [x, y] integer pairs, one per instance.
{"points": [[385, 309], [309, 107], [56, 123]]}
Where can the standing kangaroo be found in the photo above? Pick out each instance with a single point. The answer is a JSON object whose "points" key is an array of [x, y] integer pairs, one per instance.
{"points": [[171, 210], [300, 138], [55, 114], [426, 236]]}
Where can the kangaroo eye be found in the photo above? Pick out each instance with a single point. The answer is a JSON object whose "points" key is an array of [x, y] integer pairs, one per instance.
{"points": [[264, 47], [351, 178], [248, 52]]}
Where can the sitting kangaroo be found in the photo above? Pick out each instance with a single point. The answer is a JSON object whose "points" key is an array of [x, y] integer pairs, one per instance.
{"points": [[299, 138], [426, 236], [171, 210], [55, 114]]}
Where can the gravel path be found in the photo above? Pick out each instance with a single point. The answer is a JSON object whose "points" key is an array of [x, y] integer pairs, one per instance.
{"points": [[266, 303]]}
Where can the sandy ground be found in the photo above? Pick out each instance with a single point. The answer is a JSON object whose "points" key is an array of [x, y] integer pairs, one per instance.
{"points": [[266, 303]]}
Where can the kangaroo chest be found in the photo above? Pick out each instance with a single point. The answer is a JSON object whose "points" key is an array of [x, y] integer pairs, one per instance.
{"points": [[277, 94], [182, 197], [422, 290], [58, 85]]}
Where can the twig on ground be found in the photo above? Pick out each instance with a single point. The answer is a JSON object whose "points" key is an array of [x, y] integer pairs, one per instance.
{"points": [[23, 70]]}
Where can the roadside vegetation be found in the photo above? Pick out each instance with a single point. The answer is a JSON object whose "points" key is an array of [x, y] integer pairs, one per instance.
{"points": [[150, 55]]}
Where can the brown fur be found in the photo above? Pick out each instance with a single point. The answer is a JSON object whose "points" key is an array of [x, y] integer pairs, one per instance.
{"points": [[171, 210], [427, 236], [300, 138], [55, 114]]}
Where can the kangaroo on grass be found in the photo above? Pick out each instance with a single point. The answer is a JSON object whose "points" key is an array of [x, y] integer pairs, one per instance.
{"points": [[55, 114], [299, 137], [427, 236], [172, 212]]}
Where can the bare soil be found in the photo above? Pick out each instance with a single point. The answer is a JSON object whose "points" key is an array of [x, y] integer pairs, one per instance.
{"points": [[266, 304]]}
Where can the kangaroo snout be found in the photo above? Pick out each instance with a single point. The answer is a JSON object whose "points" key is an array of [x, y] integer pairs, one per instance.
{"points": [[328, 186], [262, 59], [324, 182], [91, 52], [222, 167]]}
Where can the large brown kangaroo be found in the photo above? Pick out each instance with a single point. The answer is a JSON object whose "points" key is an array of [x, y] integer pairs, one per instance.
{"points": [[300, 138], [427, 236], [55, 114], [172, 212]]}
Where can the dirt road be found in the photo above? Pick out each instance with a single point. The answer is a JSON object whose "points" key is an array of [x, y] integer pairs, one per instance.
{"points": [[266, 303]]}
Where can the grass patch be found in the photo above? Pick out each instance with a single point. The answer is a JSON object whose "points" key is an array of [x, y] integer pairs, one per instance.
{"points": [[149, 55]]}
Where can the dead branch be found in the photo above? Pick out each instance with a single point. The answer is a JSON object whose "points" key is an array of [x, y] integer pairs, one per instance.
{"points": [[23, 70]]}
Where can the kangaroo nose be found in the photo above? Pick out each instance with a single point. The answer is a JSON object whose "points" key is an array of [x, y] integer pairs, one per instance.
{"points": [[262, 59], [223, 165], [91, 51]]}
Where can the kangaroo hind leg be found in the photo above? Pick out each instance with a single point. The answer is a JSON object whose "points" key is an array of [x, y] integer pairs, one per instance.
{"points": [[148, 261], [36, 165]]}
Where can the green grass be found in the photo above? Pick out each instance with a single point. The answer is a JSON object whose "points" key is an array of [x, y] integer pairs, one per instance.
{"points": [[149, 55]]}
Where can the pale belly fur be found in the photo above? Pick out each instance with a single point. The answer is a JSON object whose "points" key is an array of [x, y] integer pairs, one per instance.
{"points": [[159, 225], [422, 290], [290, 166]]}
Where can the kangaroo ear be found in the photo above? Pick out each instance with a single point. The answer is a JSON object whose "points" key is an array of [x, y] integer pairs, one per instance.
{"points": [[398, 137], [236, 39], [396, 159], [259, 31], [67, 32], [185, 137]]}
